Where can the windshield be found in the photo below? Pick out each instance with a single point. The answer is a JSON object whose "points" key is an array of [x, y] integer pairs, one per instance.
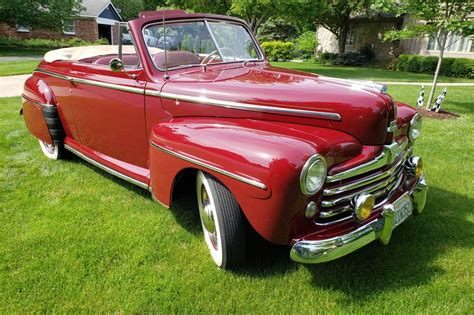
{"points": [[199, 43]]}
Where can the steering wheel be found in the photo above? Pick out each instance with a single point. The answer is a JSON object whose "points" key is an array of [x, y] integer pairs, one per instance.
{"points": [[214, 54]]}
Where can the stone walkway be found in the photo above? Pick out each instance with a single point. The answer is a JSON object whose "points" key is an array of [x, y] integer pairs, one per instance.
{"points": [[12, 85], [19, 58]]}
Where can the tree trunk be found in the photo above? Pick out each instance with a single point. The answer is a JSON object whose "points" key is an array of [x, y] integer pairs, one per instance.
{"points": [[342, 40], [438, 67]]}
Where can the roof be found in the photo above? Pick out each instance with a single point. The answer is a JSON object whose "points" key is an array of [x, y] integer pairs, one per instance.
{"points": [[93, 8]]}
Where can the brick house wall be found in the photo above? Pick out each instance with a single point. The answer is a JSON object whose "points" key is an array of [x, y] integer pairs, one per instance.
{"points": [[86, 29]]}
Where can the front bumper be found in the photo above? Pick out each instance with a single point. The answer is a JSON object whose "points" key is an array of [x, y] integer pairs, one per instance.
{"points": [[318, 251]]}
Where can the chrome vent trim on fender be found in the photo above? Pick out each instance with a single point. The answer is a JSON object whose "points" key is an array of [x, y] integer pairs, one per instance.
{"points": [[210, 167]]}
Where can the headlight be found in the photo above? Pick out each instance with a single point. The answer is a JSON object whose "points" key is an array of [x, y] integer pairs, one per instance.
{"points": [[415, 127], [313, 175]]}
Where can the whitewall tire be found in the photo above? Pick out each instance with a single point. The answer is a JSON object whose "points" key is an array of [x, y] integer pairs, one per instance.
{"points": [[222, 222], [51, 151]]}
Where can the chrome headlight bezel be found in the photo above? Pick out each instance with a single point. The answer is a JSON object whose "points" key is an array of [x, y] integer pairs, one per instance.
{"points": [[415, 122], [313, 161]]}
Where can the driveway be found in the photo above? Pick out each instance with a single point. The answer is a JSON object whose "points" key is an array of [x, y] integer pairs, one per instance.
{"points": [[12, 85], [19, 58]]}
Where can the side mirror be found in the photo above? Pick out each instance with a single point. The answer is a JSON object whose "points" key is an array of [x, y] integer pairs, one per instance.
{"points": [[116, 65]]}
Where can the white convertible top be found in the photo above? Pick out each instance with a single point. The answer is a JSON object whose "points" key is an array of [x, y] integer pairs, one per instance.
{"points": [[83, 52]]}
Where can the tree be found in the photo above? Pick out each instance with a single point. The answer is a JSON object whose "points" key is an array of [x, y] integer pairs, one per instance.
{"points": [[439, 19], [129, 9], [334, 15], [39, 13], [256, 12]]}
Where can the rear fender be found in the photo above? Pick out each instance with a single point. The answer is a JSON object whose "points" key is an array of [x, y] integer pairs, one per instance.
{"points": [[259, 162], [40, 112]]}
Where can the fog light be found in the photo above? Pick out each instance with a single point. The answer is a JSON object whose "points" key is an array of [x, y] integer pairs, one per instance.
{"points": [[311, 210], [415, 165], [363, 206]]}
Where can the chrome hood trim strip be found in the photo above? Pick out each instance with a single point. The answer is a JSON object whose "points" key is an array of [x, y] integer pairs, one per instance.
{"points": [[250, 107], [210, 167]]}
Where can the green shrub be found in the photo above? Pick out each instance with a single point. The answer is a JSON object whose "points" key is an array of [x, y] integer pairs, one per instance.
{"points": [[413, 64], [446, 66], [350, 59], [456, 67], [428, 64], [327, 58], [368, 52], [278, 50], [463, 68], [48, 43], [306, 44], [402, 63]]}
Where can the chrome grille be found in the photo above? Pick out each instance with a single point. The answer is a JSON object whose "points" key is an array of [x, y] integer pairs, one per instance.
{"points": [[379, 177]]}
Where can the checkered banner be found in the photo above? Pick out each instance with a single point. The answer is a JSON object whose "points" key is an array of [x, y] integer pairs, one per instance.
{"points": [[439, 100], [421, 97]]}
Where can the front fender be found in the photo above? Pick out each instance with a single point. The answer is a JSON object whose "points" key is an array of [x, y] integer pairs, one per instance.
{"points": [[258, 161]]}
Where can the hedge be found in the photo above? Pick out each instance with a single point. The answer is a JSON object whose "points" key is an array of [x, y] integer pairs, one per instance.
{"points": [[278, 50], [455, 67], [48, 43]]}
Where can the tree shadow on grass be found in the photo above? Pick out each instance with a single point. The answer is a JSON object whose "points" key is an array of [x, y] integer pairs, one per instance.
{"points": [[408, 261], [72, 158]]}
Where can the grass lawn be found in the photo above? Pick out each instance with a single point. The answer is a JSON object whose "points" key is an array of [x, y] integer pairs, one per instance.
{"points": [[73, 238], [366, 73], [17, 67]]}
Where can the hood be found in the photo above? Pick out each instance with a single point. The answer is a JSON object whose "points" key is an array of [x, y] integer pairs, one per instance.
{"points": [[269, 93]]}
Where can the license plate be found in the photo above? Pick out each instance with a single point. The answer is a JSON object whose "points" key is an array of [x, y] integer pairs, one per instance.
{"points": [[403, 209]]}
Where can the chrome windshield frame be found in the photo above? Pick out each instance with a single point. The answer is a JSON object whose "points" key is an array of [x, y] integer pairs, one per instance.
{"points": [[261, 57]]}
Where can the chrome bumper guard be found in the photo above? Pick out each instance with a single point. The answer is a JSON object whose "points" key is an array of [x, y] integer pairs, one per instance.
{"points": [[313, 252]]}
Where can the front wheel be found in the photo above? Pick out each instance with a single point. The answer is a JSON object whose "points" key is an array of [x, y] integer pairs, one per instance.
{"points": [[222, 222], [51, 151]]}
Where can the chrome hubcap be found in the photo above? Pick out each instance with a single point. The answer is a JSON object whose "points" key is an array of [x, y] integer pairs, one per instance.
{"points": [[49, 147], [206, 212]]}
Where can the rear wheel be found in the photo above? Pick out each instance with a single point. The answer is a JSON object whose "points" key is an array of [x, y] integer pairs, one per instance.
{"points": [[222, 222], [51, 151]]}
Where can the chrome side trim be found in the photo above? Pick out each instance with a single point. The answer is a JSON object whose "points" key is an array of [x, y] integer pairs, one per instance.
{"points": [[199, 100], [244, 106], [94, 83], [36, 102], [210, 167], [106, 168], [390, 153]]}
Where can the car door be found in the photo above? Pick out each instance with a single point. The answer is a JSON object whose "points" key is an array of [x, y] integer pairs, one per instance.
{"points": [[109, 111]]}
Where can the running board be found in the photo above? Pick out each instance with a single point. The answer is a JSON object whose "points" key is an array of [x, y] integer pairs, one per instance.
{"points": [[107, 169]]}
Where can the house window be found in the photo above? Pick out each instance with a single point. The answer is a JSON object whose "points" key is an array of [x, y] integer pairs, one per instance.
{"points": [[454, 43], [431, 43], [351, 35], [69, 27], [23, 29]]}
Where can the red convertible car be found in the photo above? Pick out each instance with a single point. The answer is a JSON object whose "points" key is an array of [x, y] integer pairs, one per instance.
{"points": [[324, 165]]}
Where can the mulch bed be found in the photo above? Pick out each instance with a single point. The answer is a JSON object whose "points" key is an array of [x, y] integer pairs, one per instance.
{"points": [[442, 114]]}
